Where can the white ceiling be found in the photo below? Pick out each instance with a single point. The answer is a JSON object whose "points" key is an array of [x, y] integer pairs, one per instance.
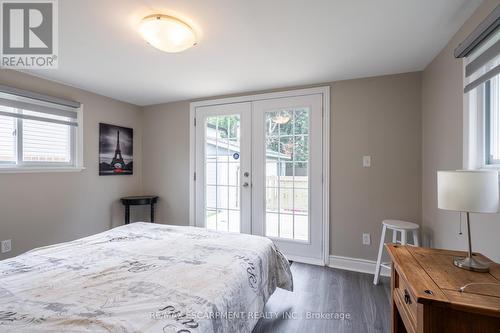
{"points": [[248, 45]]}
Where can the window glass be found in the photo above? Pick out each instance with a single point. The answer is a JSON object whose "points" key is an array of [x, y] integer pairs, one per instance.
{"points": [[287, 174], [46, 142], [492, 120], [222, 173], [7, 139]]}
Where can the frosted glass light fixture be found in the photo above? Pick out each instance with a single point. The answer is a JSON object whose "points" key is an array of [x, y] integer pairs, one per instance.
{"points": [[167, 33]]}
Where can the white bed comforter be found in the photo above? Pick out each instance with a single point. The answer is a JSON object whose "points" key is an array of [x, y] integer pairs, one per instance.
{"points": [[142, 277]]}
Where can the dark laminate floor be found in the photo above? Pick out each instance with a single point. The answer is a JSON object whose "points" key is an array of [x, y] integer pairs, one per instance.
{"points": [[328, 291]]}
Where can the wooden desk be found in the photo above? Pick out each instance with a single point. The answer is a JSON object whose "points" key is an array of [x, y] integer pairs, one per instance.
{"points": [[426, 298], [139, 200]]}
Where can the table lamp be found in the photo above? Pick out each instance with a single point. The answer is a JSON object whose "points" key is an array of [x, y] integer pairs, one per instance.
{"points": [[469, 192]]}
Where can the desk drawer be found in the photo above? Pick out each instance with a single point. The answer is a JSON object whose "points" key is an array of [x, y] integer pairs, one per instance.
{"points": [[407, 298], [404, 314], [403, 296]]}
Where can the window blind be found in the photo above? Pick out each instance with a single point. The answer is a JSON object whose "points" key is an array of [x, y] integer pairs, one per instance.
{"points": [[481, 49], [483, 64], [17, 103]]}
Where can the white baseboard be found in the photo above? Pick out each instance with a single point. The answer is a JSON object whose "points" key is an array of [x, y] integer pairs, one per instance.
{"points": [[356, 265]]}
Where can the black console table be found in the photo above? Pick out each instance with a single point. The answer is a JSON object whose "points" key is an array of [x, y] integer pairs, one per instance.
{"points": [[139, 200]]}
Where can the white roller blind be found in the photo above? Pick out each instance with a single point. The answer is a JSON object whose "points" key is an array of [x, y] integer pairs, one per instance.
{"points": [[483, 63], [42, 108]]}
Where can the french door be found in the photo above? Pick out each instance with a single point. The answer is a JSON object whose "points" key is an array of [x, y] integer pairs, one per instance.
{"points": [[223, 167], [259, 169]]}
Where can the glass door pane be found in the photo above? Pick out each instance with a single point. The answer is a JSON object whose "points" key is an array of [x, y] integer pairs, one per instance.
{"points": [[222, 172], [287, 173]]}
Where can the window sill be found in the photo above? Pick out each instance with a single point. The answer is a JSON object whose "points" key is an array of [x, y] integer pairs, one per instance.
{"points": [[40, 169], [491, 167]]}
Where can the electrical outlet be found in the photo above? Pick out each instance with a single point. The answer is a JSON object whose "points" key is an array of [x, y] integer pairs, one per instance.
{"points": [[367, 161], [366, 239], [6, 245]]}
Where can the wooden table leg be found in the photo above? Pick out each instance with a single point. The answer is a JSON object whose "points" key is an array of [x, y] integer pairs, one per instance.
{"points": [[152, 213], [127, 214]]}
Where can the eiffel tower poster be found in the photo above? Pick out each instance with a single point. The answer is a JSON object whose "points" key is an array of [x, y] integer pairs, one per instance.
{"points": [[115, 150]]}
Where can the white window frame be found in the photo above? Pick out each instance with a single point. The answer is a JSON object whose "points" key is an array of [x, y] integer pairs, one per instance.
{"points": [[76, 159], [489, 161], [7, 164], [474, 140]]}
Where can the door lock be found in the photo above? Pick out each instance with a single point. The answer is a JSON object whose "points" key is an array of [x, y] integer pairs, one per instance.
{"points": [[246, 174]]}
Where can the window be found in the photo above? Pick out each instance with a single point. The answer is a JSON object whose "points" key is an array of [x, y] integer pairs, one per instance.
{"points": [[38, 132], [482, 115]]}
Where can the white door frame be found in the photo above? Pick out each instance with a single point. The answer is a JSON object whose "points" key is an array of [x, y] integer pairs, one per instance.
{"points": [[325, 92]]}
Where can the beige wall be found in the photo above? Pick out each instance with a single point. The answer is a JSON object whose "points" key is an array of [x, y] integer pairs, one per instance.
{"points": [[166, 152], [375, 116], [39, 209], [411, 125], [378, 117], [442, 110]]}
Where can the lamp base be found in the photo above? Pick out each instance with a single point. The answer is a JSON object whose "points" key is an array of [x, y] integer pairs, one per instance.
{"points": [[471, 264]]}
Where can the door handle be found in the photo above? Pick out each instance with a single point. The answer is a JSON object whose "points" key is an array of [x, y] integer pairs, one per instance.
{"points": [[245, 184]]}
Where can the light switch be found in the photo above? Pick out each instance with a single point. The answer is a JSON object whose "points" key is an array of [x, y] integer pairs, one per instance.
{"points": [[367, 161], [6, 245], [366, 239]]}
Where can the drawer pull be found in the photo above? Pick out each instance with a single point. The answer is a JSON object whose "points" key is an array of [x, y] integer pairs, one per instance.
{"points": [[407, 297]]}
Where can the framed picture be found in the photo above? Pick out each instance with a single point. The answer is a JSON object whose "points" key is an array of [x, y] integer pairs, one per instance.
{"points": [[116, 145]]}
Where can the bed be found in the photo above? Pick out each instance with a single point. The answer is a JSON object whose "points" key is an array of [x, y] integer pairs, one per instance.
{"points": [[143, 277]]}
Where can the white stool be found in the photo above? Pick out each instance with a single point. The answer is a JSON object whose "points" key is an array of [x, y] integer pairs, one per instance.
{"points": [[396, 226]]}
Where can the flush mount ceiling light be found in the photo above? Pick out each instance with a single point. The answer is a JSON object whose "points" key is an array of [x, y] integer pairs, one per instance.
{"points": [[167, 33]]}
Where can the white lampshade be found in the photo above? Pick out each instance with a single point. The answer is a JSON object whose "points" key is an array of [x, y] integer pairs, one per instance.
{"points": [[468, 191]]}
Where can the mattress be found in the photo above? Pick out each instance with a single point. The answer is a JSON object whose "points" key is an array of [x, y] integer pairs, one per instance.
{"points": [[143, 277]]}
